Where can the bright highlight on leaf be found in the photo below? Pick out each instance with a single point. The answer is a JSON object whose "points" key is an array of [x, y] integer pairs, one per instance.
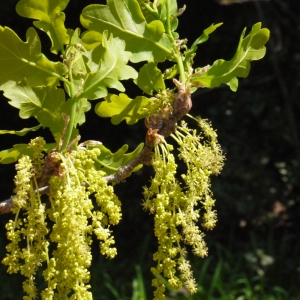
{"points": [[124, 19], [121, 107], [250, 48], [51, 19]]}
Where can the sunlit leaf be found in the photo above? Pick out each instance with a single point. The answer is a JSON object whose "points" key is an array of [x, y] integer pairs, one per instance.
{"points": [[22, 131], [108, 65], [13, 154], [124, 19], [121, 107], [204, 36], [91, 39], [24, 60], [250, 48], [82, 107], [150, 79], [44, 103], [51, 19], [110, 162]]}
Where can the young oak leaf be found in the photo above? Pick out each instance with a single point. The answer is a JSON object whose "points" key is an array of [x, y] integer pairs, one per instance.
{"points": [[46, 104], [124, 19], [11, 155], [150, 79], [159, 10], [51, 19], [249, 48], [108, 65], [21, 132], [110, 162], [203, 38], [121, 107], [24, 60]]}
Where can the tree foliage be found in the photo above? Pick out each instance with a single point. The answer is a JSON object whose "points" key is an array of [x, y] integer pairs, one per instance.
{"points": [[78, 177]]}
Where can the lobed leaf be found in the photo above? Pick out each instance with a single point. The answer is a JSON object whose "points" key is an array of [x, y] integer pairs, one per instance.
{"points": [[121, 107], [24, 60], [204, 36], [51, 19], [124, 19], [21, 132], [150, 79], [13, 154], [108, 65], [249, 48], [110, 162], [46, 104]]}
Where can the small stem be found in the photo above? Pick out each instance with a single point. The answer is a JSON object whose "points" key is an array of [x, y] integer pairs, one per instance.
{"points": [[168, 23], [180, 67], [152, 11], [177, 55], [71, 124]]}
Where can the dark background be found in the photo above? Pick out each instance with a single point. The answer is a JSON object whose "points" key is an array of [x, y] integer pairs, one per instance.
{"points": [[254, 250]]}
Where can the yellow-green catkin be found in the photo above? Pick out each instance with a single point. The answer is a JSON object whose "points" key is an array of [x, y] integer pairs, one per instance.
{"points": [[177, 203], [30, 227], [69, 209]]}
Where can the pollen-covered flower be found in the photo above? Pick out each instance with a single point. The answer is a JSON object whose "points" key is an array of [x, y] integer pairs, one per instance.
{"points": [[176, 202], [74, 183]]}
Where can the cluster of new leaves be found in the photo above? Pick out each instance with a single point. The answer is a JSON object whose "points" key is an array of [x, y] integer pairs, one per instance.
{"points": [[58, 94]]}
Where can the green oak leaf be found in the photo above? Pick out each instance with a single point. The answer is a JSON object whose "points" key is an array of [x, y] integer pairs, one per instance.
{"points": [[124, 19], [150, 79], [173, 11], [51, 19], [158, 11], [110, 162], [11, 155], [83, 105], [76, 61], [24, 60], [203, 38], [46, 104], [21, 132], [90, 39], [108, 65], [249, 48], [121, 107]]}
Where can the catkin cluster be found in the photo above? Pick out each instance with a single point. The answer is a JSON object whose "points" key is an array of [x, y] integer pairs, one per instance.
{"points": [[179, 204], [79, 203]]}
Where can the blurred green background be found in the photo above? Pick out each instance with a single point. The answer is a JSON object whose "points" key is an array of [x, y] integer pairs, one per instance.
{"points": [[255, 248]]}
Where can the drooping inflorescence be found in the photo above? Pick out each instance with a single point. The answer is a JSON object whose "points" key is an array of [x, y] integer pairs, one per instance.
{"points": [[66, 221]]}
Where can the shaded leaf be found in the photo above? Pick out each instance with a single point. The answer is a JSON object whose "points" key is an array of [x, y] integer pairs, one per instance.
{"points": [[21, 132], [250, 48], [110, 162], [121, 107], [108, 65], [124, 19], [51, 19], [24, 60], [13, 154], [150, 79]]}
